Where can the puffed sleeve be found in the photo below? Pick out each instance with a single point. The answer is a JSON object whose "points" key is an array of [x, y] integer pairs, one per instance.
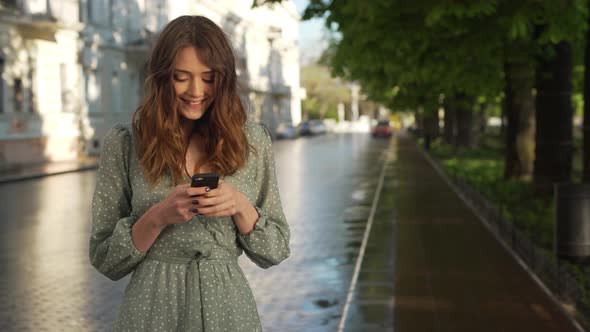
{"points": [[268, 243], [111, 250]]}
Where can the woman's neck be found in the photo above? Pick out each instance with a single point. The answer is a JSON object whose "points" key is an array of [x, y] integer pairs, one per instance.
{"points": [[187, 127]]}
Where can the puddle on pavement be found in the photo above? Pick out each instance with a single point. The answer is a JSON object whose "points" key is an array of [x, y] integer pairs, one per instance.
{"points": [[348, 259], [354, 213], [329, 319], [318, 305], [325, 303], [360, 195], [356, 222], [354, 244], [356, 228], [323, 307]]}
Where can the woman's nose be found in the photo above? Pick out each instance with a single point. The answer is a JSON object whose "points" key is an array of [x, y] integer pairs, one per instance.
{"points": [[196, 88]]}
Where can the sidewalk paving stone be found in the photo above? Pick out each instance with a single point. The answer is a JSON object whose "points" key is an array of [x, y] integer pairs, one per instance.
{"points": [[432, 266]]}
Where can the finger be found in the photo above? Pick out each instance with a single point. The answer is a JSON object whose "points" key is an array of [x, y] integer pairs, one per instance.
{"points": [[190, 202], [219, 191], [209, 211], [181, 205], [211, 201], [185, 211], [179, 191], [182, 187], [224, 213], [197, 191]]}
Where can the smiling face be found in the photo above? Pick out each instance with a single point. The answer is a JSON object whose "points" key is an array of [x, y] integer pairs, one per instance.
{"points": [[193, 84]]}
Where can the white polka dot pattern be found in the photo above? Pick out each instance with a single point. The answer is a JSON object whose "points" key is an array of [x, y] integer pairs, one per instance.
{"points": [[189, 280]]}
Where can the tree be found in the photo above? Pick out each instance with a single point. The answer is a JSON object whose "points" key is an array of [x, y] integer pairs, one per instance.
{"points": [[429, 50], [560, 25], [324, 92], [586, 167], [408, 53]]}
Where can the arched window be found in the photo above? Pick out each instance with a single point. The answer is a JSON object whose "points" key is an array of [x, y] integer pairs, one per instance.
{"points": [[31, 101], [2, 61], [19, 95]]}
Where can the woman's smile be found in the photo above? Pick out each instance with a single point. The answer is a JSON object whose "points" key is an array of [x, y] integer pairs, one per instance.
{"points": [[193, 104]]}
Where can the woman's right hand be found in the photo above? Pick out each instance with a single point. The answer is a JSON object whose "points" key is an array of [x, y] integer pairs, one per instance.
{"points": [[177, 208]]}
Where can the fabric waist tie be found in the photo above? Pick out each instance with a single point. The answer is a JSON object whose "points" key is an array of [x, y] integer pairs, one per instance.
{"points": [[209, 254], [193, 297]]}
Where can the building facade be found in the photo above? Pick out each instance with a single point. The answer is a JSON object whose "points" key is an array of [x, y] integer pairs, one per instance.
{"points": [[71, 69]]}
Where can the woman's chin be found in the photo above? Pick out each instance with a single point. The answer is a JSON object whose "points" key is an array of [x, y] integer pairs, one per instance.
{"points": [[192, 114]]}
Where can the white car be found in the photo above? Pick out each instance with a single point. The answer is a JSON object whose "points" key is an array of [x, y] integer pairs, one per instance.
{"points": [[286, 131], [312, 128]]}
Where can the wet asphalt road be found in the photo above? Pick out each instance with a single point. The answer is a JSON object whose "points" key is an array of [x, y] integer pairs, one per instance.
{"points": [[327, 184]]}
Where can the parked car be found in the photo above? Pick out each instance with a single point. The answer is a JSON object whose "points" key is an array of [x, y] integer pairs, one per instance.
{"points": [[286, 130], [311, 128], [382, 129]]}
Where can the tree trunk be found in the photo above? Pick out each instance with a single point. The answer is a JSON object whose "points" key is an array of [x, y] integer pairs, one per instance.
{"points": [[419, 123], [464, 116], [554, 147], [503, 120], [510, 113], [482, 119], [450, 121], [586, 148], [431, 124], [520, 114]]}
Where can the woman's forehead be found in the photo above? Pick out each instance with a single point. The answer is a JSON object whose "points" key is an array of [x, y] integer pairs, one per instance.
{"points": [[188, 60]]}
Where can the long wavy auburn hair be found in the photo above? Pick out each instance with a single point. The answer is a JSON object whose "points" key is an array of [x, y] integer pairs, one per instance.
{"points": [[161, 144]]}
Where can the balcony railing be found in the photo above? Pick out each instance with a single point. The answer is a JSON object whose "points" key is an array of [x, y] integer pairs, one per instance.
{"points": [[40, 13]]}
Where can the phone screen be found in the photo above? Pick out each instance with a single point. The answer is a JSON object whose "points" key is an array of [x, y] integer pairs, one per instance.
{"points": [[210, 180]]}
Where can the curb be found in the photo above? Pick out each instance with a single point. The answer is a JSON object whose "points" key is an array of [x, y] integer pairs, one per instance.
{"points": [[23, 177], [513, 254]]}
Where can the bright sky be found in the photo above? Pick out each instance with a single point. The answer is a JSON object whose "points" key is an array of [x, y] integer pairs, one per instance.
{"points": [[311, 39]]}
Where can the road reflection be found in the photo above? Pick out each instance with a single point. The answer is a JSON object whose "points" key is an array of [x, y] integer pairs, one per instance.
{"points": [[45, 270], [324, 182], [326, 186]]}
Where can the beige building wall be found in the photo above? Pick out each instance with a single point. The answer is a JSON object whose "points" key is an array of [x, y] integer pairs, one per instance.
{"points": [[39, 101], [72, 69]]}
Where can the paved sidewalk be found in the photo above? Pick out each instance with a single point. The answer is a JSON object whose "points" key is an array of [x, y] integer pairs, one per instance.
{"points": [[31, 171], [430, 265]]}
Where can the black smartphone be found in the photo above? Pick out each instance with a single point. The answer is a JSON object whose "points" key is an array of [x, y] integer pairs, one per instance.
{"points": [[210, 180]]}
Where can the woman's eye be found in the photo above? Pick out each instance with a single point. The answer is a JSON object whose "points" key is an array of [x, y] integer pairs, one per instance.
{"points": [[208, 81], [180, 79]]}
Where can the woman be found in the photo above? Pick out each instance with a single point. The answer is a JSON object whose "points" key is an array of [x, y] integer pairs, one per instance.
{"points": [[182, 243]]}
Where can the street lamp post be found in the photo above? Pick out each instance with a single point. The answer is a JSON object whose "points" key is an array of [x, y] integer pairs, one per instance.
{"points": [[274, 34], [354, 107]]}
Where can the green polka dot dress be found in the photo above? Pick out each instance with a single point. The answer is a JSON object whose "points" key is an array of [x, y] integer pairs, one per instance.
{"points": [[189, 280]]}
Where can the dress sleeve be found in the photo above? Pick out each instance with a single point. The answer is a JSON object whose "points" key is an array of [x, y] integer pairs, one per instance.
{"points": [[111, 250], [268, 243]]}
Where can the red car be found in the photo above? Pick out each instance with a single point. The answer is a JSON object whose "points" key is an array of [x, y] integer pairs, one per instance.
{"points": [[382, 129]]}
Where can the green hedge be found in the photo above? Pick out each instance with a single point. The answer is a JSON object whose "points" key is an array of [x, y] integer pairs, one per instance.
{"points": [[482, 168]]}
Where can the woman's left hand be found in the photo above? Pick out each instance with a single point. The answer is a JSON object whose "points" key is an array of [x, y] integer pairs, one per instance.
{"points": [[223, 201]]}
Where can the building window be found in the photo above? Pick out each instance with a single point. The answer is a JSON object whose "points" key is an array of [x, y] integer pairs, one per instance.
{"points": [[1, 85], [110, 12], [89, 12], [142, 78], [65, 90], [115, 93], [9, 4], [19, 96], [81, 7], [31, 95], [93, 90]]}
